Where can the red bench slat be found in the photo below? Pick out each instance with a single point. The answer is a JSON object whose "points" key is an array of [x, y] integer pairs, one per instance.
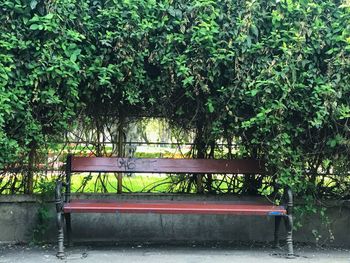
{"points": [[152, 165], [172, 207]]}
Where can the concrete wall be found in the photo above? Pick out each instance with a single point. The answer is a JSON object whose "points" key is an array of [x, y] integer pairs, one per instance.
{"points": [[18, 218]]}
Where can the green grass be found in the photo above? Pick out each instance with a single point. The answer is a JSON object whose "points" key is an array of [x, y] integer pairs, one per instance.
{"points": [[107, 182], [98, 182]]}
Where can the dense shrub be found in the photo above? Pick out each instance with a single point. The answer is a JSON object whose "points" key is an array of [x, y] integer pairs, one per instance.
{"points": [[271, 75]]}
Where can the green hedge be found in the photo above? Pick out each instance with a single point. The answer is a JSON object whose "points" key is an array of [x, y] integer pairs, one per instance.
{"points": [[270, 75]]}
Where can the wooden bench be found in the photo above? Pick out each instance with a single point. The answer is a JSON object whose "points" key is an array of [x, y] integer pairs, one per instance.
{"points": [[65, 206]]}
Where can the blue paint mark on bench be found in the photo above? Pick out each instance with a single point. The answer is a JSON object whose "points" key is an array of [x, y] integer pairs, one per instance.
{"points": [[275, 213]]}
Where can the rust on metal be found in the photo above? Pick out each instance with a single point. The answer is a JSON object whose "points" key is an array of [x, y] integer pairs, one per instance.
{"points": [[150, 165]]}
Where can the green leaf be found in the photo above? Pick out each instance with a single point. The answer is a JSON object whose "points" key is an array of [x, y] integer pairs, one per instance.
{"points": [[210, 106], [249, 41], [34, 26], [49, 16], [171, 11], [254, 30], [33, 4], [254, 92], [188, 81], [74, 55]]}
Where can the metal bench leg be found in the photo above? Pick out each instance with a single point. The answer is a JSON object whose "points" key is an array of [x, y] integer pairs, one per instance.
{"points": [[59, 219], [276, 234], [288, 219], [69, 228], [60, 236]]}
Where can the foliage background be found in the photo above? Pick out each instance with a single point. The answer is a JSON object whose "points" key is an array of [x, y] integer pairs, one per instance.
{"points": [[272, 76]]}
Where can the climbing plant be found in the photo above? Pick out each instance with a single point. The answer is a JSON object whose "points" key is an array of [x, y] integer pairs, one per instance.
{"points": [[272, 76]]}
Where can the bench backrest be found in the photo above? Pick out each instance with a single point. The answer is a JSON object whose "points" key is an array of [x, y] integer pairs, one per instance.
{"points": [[151, 165]]}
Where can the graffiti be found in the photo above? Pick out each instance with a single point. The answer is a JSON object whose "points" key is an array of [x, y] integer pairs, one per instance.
{"points": [[128, 164]]}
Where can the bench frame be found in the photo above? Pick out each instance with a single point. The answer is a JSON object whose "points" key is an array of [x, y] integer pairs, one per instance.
{"points": [[190, 166]]}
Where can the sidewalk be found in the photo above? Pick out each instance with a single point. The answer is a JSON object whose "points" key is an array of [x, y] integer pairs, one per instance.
{"points": [[169, 254]]}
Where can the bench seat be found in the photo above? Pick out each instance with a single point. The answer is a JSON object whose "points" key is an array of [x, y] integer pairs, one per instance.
{"points": [[172, 207]]}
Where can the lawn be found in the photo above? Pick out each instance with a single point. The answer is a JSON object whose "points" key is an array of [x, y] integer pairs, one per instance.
{"points": [[131, 183]]}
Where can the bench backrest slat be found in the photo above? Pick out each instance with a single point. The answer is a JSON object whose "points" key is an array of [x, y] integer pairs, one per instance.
{"points": [[149, 165]]}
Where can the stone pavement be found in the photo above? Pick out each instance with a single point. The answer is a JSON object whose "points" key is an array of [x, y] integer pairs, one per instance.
{"points": [[189, 253]]}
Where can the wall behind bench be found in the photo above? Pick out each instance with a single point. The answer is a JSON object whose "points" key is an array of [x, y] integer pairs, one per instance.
{"points": [[18, 218]]}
